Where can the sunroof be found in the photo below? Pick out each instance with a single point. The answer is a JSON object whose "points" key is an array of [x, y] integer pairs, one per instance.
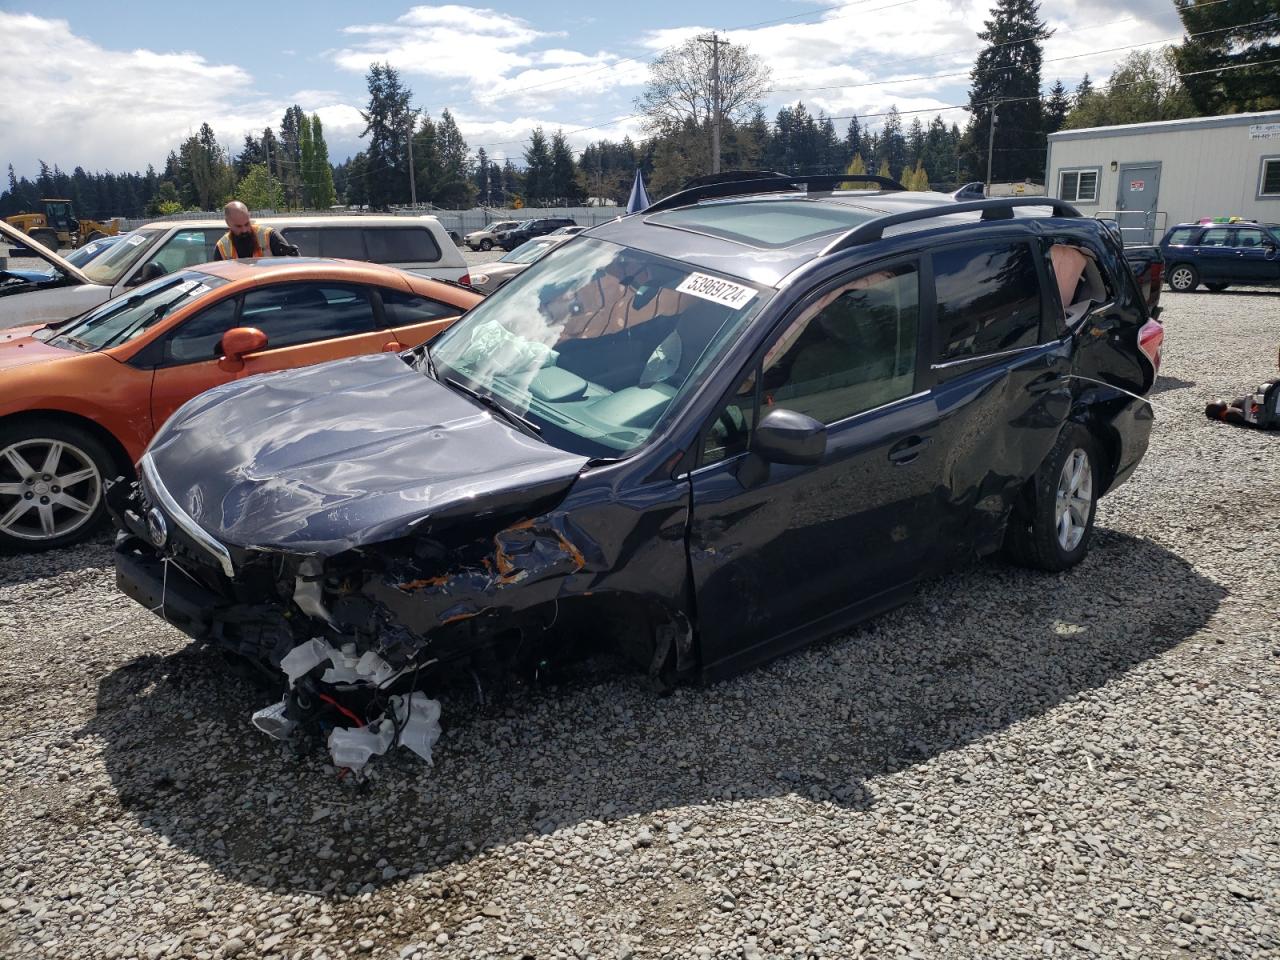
{"points": [[766, 223]]}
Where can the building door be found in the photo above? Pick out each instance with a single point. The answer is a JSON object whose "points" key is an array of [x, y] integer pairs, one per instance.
{"points": [[1136, 201]]}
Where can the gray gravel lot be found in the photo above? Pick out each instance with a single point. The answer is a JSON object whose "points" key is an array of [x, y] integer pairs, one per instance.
{"points": [[1012, 765]]}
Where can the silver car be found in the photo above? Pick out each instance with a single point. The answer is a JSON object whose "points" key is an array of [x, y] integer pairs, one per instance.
{"points": [[483, 239], [493, 275]]}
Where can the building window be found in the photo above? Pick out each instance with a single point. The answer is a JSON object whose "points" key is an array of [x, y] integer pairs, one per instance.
{"points": [[1078, 186], [1269, 181]]}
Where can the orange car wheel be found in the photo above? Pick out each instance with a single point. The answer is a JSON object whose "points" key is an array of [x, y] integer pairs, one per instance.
{"points": [[51, 484]]}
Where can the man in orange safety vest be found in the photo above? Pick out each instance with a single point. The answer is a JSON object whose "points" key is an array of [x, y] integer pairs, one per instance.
{"points": [[245, 239]]}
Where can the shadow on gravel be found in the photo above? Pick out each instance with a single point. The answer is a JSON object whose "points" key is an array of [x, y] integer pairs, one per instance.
{"points": [[1164, 383], [92, 555], [973, 653]]}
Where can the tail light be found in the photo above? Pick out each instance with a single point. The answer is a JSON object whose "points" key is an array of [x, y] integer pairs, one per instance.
{"points": [[1150, 342], [465, 280]]}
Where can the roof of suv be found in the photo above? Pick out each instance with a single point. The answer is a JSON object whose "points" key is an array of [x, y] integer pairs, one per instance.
{"points": [[770, 235]]}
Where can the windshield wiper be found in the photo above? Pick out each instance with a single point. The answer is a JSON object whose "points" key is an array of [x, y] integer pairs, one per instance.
{"points": [[509, 415]]}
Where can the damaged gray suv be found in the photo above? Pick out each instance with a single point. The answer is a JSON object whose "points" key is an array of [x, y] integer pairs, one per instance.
{"points": [[701, 435]]}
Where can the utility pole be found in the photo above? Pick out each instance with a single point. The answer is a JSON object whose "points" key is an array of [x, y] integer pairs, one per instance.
{"points": [[716, 44], [413, 179], [991, 142]]}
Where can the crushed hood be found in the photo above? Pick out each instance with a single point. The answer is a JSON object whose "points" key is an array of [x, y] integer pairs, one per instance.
{"points": [[326, 458]]}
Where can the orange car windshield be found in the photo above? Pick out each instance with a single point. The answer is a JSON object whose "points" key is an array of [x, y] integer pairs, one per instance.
{"points": [[120, 320]]}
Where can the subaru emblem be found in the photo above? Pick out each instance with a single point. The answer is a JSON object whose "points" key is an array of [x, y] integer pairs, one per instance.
{"points": [[157, 528]]}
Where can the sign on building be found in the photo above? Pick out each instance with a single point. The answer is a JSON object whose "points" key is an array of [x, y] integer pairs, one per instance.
{"points": [[1264, 131]]}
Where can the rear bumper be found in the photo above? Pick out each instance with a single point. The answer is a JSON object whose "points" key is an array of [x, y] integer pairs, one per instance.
{"points": [[1130, 425]]}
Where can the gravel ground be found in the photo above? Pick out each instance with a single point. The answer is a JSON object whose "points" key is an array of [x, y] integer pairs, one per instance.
{"points": [[1012, 765]]}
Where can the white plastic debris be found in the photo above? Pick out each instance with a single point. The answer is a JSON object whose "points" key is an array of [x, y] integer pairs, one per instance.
{"points": [[419, 720], [345, 665], [304, 658], [352, 747], [272, 721]]}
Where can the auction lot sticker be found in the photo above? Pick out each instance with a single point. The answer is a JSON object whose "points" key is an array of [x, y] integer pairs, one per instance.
{"points": [[724, 292]]}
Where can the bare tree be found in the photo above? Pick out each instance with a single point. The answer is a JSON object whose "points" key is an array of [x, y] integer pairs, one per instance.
{"points": [[680, 85]]}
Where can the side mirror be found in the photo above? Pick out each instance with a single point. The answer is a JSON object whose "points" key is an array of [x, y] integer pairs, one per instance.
{"points": [[785, 436], [239, 341], [153, 271]]}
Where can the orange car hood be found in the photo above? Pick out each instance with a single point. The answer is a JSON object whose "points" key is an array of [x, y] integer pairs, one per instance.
{"points": [[18, 348]]}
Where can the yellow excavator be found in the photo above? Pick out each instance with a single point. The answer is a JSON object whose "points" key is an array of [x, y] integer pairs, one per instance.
{"points": [[58, 227]]}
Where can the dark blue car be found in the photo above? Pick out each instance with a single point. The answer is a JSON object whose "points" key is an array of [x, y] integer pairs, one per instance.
{"points": [[1220, 254], [701, 435]]}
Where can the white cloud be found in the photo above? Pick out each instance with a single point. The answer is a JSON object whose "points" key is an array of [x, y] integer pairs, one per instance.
{"points": [[133, 106]]}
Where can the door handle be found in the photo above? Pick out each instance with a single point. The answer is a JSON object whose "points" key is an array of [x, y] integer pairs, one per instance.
{"points": [[905, 451]]}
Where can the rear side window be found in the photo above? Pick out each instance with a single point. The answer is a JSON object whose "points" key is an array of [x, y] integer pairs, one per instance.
{"points": [[988, 297], [344, 242], [1249, 237], [404, 309], [296, 313], [1181, 237], [401, 245]]}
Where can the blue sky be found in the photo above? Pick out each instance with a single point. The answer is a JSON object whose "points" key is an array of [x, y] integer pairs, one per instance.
{"points": [[116, 86]]}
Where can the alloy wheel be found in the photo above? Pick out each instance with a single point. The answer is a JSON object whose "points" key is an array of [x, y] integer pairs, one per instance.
{"points": [[1074, 500], [48, 488], [1181, 278]]}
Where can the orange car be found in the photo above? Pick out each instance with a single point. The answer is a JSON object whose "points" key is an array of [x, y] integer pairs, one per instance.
{"points": [[80, 401]]}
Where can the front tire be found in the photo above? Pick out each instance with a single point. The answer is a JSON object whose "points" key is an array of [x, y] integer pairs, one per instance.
{"points": [[486, 245], [1183, 278], [47, 237], [1052, 524], [51, 485]]}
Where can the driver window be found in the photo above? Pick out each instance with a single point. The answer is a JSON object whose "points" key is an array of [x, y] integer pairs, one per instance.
{"points": [[186, 248], [200, 338], [852, 350]]}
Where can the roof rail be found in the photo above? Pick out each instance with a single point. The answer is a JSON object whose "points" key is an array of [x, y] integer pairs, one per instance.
{"points": [[735, 188], [1000, 208]]}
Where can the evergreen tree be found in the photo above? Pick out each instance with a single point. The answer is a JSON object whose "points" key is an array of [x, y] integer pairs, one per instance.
{"points": [[388, 122], [830, 149], [1240, 43], [427, 164], [1007, 75], [512, 182], [537, 169], [1084, 90], [323, 194], [1056, 108], [564, 180], [454, 188], [915, 143], [892, 146], [853, 145]]}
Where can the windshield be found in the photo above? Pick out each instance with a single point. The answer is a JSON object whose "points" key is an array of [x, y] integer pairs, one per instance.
{"points": [[120, 320], [529, 251], [596, 343], [111, 266]]}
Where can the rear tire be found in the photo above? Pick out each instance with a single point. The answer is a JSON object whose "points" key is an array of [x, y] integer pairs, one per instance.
{"points": [[1183, 278], [1217, 287], [1052, 523], [96, 235], [52, 480]]}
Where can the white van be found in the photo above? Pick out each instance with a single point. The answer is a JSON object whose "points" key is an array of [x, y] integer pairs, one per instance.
{"points": [[418, 244]]}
